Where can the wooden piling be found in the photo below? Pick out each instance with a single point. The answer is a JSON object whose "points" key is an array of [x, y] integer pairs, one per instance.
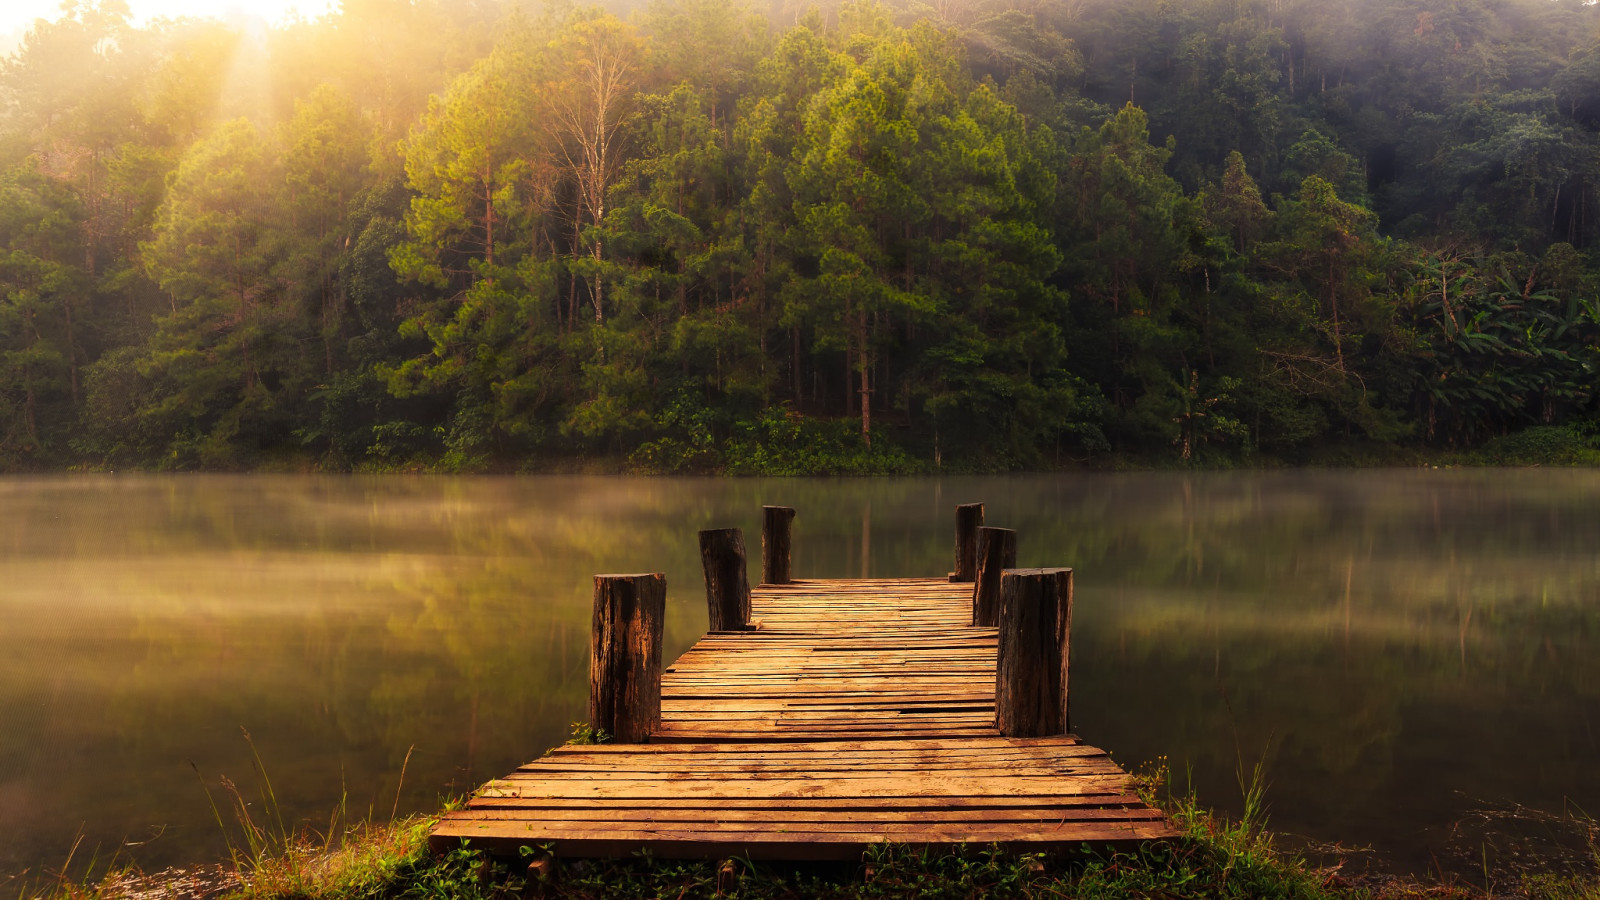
{"points": [[997, 551], [727, 585], [968, 517], [540, 881], [625, 658], [1035, 624], [861, 713], [775, 526]]}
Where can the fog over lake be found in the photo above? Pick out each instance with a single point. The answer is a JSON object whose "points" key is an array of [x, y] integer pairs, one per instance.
{"points": [[1405, 648]]}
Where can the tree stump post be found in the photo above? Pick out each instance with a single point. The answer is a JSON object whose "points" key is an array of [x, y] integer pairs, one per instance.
{"points": [[1035, 622], [540, 882], [775, 525], [727, 585], [997, 551], [968, 517], [625, 655]]}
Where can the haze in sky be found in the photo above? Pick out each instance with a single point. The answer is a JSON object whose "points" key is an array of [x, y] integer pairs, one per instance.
{"points": [[17, 16]]}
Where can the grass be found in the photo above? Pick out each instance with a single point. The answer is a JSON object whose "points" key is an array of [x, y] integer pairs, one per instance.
{"points": [[1218, 857], [1555, 857]]}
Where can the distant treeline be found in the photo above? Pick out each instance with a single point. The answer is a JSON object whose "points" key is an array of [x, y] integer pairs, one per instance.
{"points": [[700, 235]]}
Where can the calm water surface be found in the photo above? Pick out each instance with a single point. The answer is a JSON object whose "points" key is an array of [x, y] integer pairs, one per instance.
{"points": [[1404, 649]]}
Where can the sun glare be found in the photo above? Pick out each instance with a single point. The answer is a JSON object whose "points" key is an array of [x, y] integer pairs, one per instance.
{"points": [[17, 16]]}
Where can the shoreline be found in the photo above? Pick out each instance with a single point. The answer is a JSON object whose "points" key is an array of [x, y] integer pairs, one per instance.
{"points": [[1538, 447], [1216, 856]]}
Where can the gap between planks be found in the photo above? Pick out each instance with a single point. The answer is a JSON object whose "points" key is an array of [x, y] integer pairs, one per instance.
{"points": [[857, 711]]}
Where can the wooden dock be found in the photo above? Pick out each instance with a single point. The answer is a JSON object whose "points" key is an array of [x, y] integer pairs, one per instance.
{"points": [[844, 714]]}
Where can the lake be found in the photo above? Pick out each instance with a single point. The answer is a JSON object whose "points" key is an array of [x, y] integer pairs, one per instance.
{"points": [[1414, 654]]}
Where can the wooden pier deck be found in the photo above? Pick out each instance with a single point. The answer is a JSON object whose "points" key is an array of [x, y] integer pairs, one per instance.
{"points": [[855, 712]]}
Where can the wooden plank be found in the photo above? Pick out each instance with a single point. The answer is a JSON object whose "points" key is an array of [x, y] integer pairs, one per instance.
{"points": [[1092, 765], [1040, 806], [1048, 815], [816, 732], [987, 742], [508, 837], [859, 832], [519, 785], [856, 711], [901, 831], [916, 805], [951, 761]]}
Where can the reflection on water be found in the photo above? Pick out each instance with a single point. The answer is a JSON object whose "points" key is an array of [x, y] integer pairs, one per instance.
{"points": [[1403, 646]]}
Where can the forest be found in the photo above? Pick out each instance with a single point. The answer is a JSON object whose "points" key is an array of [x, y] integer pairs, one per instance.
{"points": [[873, 236]]}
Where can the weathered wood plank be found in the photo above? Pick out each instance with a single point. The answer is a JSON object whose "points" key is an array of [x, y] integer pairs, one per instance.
{"points": [[919, 804], [519, 785], [507, 837], [852, 712], [825, 817]]}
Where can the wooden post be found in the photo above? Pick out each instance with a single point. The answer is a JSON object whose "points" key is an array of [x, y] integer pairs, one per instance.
{"points": [[997, 551], [625, 658], [775, 524], [540, 881], [1035, 621], [968, 517], [727, 586]]}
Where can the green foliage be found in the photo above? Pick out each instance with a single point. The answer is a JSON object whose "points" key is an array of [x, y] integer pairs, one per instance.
{"points": [[1489, 352], [1222, 863], [37, 347], [782, 443], [711, 238], [1542, 445], [1215, 857], [584, 733]]}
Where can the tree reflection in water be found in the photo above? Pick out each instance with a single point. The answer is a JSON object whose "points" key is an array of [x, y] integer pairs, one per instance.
{"points": [[1405, 646]]}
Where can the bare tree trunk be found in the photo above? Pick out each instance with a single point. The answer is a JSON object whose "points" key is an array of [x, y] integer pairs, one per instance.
{"points": [[72, 350], [488, 221], [599, 287], [327, 327], [604, 55], [865, 361], [794, 374], [1333, 302], [30, 406], [572, 288], [849, 373], [866, 410]]}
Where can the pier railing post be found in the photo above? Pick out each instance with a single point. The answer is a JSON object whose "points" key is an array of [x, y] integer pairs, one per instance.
{"points": [[727, 585], [775, 526], [997, 551], [625, 657], [968, 517], [1035, 623]]}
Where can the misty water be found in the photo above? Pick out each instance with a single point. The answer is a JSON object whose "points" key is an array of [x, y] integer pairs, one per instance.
{"points": [[1408, 650]]}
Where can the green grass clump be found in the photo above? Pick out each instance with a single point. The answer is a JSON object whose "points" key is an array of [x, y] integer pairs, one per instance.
{"points": [[368, 862], [1215, 857], [1544, 445]]}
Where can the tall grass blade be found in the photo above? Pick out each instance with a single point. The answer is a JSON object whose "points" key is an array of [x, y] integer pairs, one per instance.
{"points": [[403, 764], [269, 796], [227, 838]]}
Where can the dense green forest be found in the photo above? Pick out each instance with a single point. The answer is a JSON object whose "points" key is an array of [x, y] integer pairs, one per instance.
{"points": [[696, 235]]}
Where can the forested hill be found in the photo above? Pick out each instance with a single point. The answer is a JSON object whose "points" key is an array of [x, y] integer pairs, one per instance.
{"points": [[699, 235]]}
